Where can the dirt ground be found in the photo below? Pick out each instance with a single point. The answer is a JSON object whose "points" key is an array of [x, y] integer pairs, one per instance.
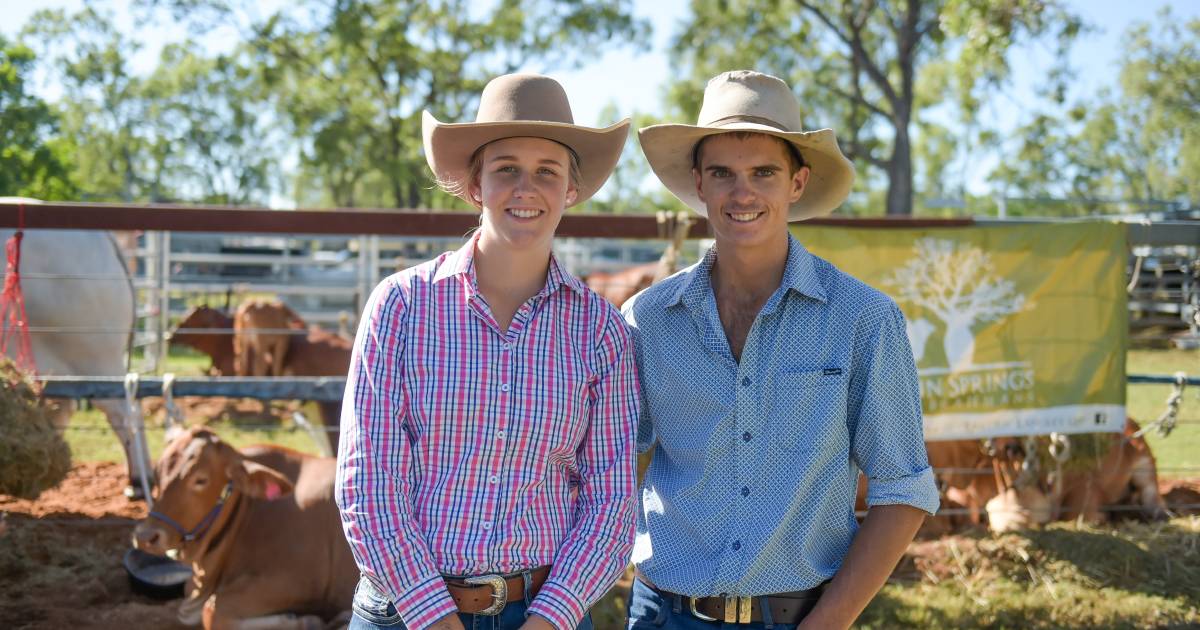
{"points": [[60, 555]]}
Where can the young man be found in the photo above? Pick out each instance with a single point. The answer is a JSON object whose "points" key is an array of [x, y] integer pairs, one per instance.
{"points": [[769, 380]]}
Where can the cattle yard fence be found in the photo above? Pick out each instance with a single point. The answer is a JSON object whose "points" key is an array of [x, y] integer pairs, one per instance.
{"points": [[309, 255]]}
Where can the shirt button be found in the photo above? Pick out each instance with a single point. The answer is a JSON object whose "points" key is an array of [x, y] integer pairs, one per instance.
{"points": [[746, 382], [500, 434], [745, 491], [504, 387], [507, 346], [737, 544], [486, 525], [746, 436], [493, 479]]}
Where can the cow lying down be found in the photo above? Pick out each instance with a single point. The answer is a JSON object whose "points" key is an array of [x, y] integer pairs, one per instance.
{"points": [[260, 530]]}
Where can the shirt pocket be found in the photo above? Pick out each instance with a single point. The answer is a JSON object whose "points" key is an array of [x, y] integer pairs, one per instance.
{"points": [[808, 411]]}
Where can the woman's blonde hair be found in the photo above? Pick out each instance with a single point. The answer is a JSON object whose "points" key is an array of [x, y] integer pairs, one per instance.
{"points": [[459, 187]]}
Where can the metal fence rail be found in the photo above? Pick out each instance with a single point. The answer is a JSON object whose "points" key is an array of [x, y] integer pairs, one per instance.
{"points": [[321, 388]]}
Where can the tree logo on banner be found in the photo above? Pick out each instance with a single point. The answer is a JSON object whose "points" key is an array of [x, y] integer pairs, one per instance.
{"points": [[958, 285]]}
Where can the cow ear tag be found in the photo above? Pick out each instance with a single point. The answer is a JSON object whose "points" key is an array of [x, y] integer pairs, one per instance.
{"points": [[272, 491]]}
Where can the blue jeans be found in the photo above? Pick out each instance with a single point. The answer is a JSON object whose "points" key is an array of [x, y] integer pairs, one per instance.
{"points": [[649, 610], [372, 611]]}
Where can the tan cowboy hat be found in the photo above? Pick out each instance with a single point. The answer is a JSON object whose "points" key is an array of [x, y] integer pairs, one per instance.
{"points": [[523, 105], [743, 100]]}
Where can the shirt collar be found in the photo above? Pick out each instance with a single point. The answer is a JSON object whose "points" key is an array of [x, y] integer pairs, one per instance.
{"points": [[799, 274], [461, 263]]}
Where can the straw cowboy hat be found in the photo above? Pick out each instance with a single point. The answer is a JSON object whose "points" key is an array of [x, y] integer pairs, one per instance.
{"points": [[523, 105], [742, 100]]}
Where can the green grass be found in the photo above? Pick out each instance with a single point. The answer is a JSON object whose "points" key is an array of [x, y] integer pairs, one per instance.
{"points": [[1178, 454], [180, 361], [91, 439]]}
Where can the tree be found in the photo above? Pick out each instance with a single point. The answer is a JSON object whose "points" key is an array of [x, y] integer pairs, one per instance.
{"points": [[351, 78], [101, 108], [211, 112], [1141, 143], [623, 192], [32, 160], [955, 282], [858, 65], [193, 129]]}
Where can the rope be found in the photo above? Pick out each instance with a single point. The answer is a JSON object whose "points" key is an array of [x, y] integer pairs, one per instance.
{"points": [[12, 302], [134, 424]]}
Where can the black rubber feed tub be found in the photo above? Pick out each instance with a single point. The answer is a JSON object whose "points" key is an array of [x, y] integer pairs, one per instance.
{"points": [[155, 576]]}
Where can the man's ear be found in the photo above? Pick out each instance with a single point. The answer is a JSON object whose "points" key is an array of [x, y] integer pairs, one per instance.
{"points": [[572, 194], [259, 481], [699, 188], [799, 183]]}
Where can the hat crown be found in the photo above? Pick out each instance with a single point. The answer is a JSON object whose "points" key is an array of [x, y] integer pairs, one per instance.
{"points": [[528, 97], [748, 96]]}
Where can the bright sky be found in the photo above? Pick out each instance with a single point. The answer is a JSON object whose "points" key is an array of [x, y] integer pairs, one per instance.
{"points": [[635, 81]]}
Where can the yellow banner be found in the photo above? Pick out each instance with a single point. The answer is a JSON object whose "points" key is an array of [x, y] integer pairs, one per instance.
{"points": [[1016, 329]]}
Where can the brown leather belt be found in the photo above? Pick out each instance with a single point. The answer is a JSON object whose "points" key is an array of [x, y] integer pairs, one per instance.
{"points": [[487, 594], [786, 608]]}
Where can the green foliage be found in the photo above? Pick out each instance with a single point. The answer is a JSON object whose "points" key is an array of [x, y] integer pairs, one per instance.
{"points": [[192, 130], [32, 162], [340, 84], [102, 113], [352, 78], [1140, 143], [860, 68], [623, 193]]}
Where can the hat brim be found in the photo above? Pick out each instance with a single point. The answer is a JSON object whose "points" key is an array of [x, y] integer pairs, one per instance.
{"points": [[669, 148], [449, 147]]}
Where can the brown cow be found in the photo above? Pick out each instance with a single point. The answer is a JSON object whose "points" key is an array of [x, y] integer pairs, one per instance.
{"points": [[260, 530], [985, 483], [317, 353], [261, 336], [217, 345], [1126, 475], [320, 353]]}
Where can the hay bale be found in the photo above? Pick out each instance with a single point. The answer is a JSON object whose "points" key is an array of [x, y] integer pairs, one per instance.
{"points": [[33, 454]]}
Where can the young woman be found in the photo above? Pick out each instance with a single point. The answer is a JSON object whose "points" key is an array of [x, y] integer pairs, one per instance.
{"points": [[486, 468]]}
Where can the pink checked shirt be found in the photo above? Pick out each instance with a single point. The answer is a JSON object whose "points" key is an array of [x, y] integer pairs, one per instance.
{"points": [[468, 450]]}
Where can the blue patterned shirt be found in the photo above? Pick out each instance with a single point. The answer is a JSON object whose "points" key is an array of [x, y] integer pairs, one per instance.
{"points": [[756, 464]]}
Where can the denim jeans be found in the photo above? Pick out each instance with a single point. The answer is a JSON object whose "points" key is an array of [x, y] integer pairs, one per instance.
{"points": [[372, 611], [649, 610]]}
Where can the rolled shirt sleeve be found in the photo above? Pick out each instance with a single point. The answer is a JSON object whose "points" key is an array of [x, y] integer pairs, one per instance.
{"points": [[888, 441], [372, 491], [597, 548]]}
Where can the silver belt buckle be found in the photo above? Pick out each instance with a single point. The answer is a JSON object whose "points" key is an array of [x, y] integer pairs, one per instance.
{"points": [[499, 592], [696, 613]]}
